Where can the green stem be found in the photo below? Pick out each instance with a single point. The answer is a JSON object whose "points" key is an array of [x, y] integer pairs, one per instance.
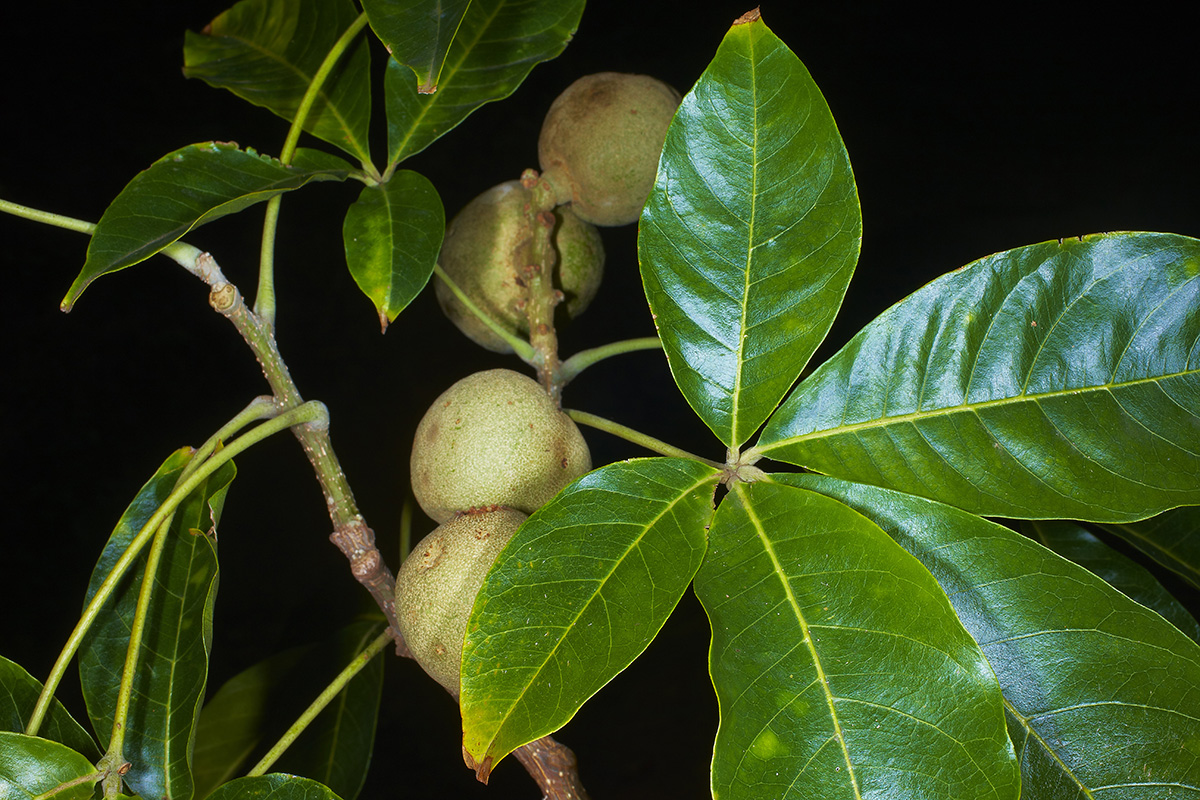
{"points": [[261, 407], [325, 698], [308, 413], [637, 437], [314, 89], [264, 300], [180, 252], [46, 218], [522, 348], [264, 295], [577, 363], [115, 755]]}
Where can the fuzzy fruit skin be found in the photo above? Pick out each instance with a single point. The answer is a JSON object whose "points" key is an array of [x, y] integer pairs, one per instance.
{"points": [[494, 438], [485, 245], [436, 587], [600, 144]]}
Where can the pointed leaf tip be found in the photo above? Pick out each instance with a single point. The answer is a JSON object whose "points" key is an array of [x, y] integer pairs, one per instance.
{"points": [[753, 15], [751, 234]]}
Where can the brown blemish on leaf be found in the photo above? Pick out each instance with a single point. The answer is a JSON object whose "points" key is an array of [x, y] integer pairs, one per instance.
{"points": [[748, 17]]}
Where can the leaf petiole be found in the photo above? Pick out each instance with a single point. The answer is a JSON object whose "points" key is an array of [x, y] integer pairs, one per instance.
{"points": [[637, 437], [264, 300], [47, 218], [577, 363], [323, 699], [311, 412], [522, 348]]}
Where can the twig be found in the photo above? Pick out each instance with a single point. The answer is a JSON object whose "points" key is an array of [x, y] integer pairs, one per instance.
{"points": [[549, 763], [554, 767], [351, 533]]}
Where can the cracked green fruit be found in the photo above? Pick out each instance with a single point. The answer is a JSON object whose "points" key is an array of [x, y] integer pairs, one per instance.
{"points": [[485, 250], [601, 141], [436, 587], [494, 438]]}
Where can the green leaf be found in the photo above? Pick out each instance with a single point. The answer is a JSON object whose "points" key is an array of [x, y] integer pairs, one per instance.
{"points": [[1075, 543], [39, 769], [234, 722], [1172, 539], [1102, 694], [418, 33], [336, 747], [172, 665], [255, 707], [751, 233], [839, 664], [498, 43], [19, 692], [184, 190], [273, 787], [393, 234], [1058, 380], [580, 591], [267, 53]]}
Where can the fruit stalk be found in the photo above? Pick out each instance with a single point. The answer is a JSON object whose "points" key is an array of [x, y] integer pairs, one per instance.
{"points": [[541, 296]]}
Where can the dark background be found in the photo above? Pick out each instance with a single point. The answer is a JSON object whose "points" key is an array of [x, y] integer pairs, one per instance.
{"points": [[968, 135]]}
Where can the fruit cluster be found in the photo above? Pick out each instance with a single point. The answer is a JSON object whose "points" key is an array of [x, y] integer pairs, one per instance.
{"points": [[492, 449], [598, 151], [495, 447]]}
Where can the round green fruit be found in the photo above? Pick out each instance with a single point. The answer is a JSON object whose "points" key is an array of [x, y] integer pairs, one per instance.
{"points": [[485, 247], [494, 438], [601, 141], [436, 587]]}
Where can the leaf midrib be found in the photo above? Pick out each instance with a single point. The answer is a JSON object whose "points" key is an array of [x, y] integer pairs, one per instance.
{"points": [[1037, 738], [503, 721], [777, 566], [734, 438], [964, 408]]}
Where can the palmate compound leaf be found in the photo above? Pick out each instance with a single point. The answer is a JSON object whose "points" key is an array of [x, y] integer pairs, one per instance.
{"points": [[1058, 380], [18, 696], [172, 670], [185, 189], [418, 33], [1076, 543], [392, 235], [1171, 538], [267, 53], [497, 45], [580, 591], [840, 667], [751, 233], [1102, 695], [32, 768]]}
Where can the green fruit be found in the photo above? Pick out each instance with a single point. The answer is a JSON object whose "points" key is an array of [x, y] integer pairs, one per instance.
{"points": [[601, 141], [436, 587], [486, 245], [494, 438]]}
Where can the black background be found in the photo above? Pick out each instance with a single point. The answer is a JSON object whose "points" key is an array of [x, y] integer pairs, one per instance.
{"points": [[968, 135]]}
